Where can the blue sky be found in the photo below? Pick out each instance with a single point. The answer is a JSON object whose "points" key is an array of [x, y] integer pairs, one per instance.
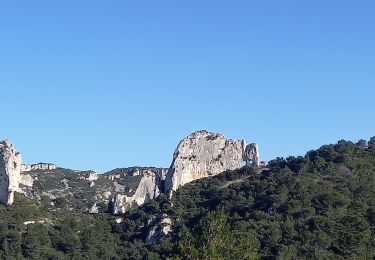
{"points": [[105, 84]]}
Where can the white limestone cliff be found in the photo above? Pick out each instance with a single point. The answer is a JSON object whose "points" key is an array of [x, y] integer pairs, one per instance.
{"points": [[204, 154], [10, 172], [38, 166], [25, 167], [119, 204], [150, 187]]}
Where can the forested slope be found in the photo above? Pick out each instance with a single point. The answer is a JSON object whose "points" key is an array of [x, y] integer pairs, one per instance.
{"points": [[317, 206]]}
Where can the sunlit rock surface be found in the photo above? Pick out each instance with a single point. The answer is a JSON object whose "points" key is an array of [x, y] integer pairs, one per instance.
{"points": [[10, 172], [150, 187], [38, 166], [203, 154]]}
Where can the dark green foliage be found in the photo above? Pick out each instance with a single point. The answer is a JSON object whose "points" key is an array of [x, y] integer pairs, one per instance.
{"points": [[36, 241], [213, 239], [317, 206], [54, 235]]}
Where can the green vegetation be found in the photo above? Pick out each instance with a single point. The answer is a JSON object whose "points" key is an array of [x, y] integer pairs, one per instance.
{"points": [[69, 188], [317, 206], [213, 239]]}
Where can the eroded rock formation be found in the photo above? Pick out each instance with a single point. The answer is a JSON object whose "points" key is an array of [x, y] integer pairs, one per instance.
{"points": [[91, 176], [160, 226], [204, 154], [251, 155], [10, 172], [37, 166], [150, 187]]}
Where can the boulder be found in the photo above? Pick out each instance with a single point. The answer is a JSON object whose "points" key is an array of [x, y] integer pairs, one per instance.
{"points": [[91, 176], [94, 209], [25, 167]]}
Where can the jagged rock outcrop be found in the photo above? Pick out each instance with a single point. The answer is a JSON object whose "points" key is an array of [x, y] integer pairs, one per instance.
{"points": [[201, 154], [25, 168], [26, 180], [251, 155], [118, 204], [160, 226], [38, 166], [204, 154], [150, 187], [10, 172], [94, 209], [91, 176]]}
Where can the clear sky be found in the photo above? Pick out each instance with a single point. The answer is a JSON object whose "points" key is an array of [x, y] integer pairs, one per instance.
{"points": [[105, 84]]}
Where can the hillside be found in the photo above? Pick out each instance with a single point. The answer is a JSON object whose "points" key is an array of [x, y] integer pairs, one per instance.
{"points": [[80, 191], [317, 206], [201, 154]]}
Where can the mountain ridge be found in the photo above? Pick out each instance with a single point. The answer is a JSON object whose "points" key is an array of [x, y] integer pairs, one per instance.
{"points": [[315, 206], [207, 154]]}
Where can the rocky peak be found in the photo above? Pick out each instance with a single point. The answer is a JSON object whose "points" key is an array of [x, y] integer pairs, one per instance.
{"points": [[204, 154], [10, 169]]}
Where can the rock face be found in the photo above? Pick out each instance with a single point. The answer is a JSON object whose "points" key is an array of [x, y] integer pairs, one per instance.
{"points": [[204, 154], [150, 187], [160, 226], [251, 156], [10, 169], [26, 180], [92, 176], [38, 166]]}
